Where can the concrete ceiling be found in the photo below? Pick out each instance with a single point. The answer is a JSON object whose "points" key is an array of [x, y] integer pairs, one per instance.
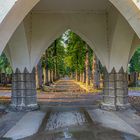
{"points": [[71, 5]]}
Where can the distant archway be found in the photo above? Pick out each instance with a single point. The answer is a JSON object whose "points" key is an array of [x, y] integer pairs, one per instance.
{"points": [[81, 35]]}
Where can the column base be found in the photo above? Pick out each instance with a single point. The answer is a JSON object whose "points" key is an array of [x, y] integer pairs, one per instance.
{"points": [[115, 108], [22, 108], [123, 106], [108, 107], [24, 96]]}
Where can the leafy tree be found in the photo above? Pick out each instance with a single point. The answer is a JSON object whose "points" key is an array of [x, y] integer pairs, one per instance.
{"points": [[134, 65], [5, 65], [5, 70], [75, 52], [67, 55]]}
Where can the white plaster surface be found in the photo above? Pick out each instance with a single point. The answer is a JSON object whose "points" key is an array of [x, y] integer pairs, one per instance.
{"points": [[112, 120], [110, 36], [27, 126], [5, 6]]}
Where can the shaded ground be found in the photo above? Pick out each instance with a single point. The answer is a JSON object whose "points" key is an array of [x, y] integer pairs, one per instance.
{"points": [[76, 125], [68, 92], [8, 120], [69, 116]]}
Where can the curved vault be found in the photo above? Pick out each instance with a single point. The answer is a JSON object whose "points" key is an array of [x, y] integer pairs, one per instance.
{"points": [[17, 13]]}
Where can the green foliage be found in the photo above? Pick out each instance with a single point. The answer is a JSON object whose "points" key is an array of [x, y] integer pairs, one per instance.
{"points": [[134, 64], [5, 65], [67, 54], [75, 53], [54, 57]]}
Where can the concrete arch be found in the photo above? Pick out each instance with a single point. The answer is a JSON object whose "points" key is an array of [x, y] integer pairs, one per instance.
{"points": [[47, 27], [134, 46], [13, 18], [18, 12], [27, 48], [80, 34], [130, 12]]}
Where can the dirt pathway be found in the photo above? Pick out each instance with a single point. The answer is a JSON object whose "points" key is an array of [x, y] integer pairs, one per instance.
{"points": [[66, 93]]}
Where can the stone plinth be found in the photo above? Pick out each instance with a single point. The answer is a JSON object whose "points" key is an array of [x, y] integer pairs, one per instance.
{"points": [[115, 93], [122, 90], [109, 94], [24, 91]]}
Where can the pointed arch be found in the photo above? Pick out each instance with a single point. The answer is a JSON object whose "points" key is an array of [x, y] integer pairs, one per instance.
{"points": [[58, 34], [22, 7], [13, 18]]}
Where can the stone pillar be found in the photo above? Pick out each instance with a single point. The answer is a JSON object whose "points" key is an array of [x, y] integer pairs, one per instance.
{"points": [[115, 93], [122, 90], [109, 93], [24, 96]]}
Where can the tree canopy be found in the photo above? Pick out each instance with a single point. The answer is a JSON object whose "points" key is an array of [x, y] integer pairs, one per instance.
{"points": [[134, 65], [67, 54], [5, 66]]}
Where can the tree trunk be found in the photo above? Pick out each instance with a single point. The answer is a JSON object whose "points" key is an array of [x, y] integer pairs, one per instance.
{"points": [[44, 76], [47, 70], [36, 77], [39, 74], [136, 78], [51, 79], [81, 77], [55, 54], [101, 81], [76, 75], [96, 73], [49, 76], [84, 75], [87, 66], [54, 75]]}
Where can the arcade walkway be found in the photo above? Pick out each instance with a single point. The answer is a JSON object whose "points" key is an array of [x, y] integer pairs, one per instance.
{"points": [[63, 93], [68, 94], [67, 112]]}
